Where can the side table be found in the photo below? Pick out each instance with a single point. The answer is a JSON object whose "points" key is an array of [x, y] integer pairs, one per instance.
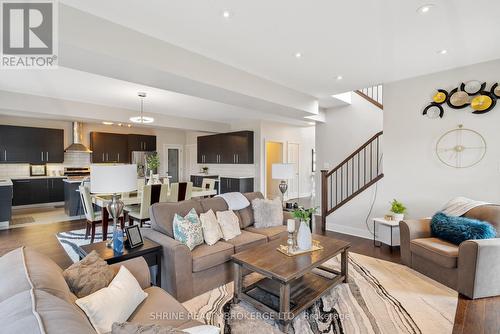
{"points": [[390, 225], [150, 250]]}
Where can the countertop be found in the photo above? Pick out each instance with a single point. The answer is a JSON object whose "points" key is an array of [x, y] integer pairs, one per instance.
{"points": [[34, 177], [5, 182], [225, 176], [72, 181]]}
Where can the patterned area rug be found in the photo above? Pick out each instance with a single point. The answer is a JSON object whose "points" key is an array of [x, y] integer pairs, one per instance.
{"points": [[70, 240], [381, 297]]}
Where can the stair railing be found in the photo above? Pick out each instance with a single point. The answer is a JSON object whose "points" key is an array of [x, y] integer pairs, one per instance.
{"points": [[373, 94]]}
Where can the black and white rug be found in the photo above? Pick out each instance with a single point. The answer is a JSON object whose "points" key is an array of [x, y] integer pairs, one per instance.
{"points": [[381, 297]]}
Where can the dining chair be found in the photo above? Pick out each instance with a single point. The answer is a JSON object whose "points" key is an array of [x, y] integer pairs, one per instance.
{"points": [[180, 191], [93, 218], [151, 194], [164, 192]]}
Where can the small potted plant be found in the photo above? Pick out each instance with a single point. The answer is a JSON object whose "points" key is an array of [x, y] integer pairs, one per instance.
{"points": [[304, 236], [152, 164], [204, 169], [398, 210]]}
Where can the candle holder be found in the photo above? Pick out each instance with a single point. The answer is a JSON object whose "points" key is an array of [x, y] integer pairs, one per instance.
{"points": [[291, 243]]}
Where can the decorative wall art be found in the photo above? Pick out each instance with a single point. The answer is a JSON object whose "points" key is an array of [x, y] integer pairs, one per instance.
{"points": [[461, 148], [471, 94]]}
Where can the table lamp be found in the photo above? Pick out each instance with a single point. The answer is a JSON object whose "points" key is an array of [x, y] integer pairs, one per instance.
{"points": [[114, 179], [282, 172]]}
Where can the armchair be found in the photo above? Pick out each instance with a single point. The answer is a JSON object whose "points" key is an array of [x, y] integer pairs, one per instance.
{"points": [[472, 268]]}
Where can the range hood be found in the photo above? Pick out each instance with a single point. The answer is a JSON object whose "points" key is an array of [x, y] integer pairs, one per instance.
{"points": [[77, 145]]}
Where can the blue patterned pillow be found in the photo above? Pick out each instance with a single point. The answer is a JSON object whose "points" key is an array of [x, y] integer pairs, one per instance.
{"points": [[188, 230], [458, 229]]}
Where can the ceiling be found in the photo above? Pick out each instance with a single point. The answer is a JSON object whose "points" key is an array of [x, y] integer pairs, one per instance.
{"points": [[69, 84], [365, 41]]}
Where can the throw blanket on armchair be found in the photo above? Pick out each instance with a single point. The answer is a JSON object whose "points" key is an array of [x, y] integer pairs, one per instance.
{"points": [[235, 201], [460, 205]]}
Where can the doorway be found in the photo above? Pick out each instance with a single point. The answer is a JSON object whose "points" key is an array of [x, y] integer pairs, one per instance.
{"points": [[274, 155], [173, 161]]}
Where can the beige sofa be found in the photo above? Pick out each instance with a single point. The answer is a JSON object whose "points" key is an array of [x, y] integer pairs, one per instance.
{"points": [[185, 273], [472, 268], [34, 297]]}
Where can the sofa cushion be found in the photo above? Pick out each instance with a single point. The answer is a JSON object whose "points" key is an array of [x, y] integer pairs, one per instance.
{"points": [[162, 214], [205, 256], [436, 250], [246, 215], [27, 267], [30, 310], [162, 309], [247, 240], [214, 203], [272, 233]]}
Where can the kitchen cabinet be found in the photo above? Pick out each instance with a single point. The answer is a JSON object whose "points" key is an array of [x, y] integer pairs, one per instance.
{"points": [[141, 143], [37, 191], [242, 185], [226, 148], [19, 144], [109, 147]]}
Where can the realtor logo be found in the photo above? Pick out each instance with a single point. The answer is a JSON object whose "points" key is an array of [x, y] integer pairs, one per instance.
{"points": [[29, 34]]}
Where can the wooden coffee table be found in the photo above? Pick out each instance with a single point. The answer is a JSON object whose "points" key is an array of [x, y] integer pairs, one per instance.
{"points": [[291, 280]]}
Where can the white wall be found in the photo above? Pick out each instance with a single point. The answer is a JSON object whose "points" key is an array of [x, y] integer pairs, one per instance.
{"points": [[413, 173]]}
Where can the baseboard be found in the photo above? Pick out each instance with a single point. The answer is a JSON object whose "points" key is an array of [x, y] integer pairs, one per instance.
{"points": [[357, 232], [39, 205]]}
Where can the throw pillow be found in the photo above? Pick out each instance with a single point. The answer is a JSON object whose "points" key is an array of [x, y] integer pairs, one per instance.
{"points": [[88, 275], [188, 229], [267, 213], [229, 224], [458, 229], [211, 228], [116, 303]]}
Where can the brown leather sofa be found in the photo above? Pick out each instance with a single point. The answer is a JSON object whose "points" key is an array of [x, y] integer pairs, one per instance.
{"points": [[34, 297], [185, 273], [472, 268]]}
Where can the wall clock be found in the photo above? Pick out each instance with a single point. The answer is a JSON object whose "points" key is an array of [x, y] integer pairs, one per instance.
{"points": [[461, 148]]}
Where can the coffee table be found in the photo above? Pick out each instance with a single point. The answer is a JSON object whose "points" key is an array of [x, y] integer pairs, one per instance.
{"points": [[291, 280]]}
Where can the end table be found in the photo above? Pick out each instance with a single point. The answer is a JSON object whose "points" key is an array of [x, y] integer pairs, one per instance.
{"points": [[390, 225]]}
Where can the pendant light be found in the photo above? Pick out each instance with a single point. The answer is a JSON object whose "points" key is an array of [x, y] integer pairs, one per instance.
{"points": [[141, 118]]}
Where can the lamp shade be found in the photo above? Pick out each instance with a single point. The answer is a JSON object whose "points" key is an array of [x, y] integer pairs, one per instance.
{"points": [[111, 179], [282, 171]]}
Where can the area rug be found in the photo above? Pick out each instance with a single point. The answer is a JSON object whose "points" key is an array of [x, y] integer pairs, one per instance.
{"points": [[70, 240], [381, 297]]}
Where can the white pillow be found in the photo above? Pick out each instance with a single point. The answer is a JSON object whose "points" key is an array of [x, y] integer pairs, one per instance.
{"points": [[229, 224], [267, 213], [203, 329], [211, 228], [116, 303]]}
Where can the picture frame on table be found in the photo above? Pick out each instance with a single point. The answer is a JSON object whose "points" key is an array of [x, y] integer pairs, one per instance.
{"points": [[134, 236]]}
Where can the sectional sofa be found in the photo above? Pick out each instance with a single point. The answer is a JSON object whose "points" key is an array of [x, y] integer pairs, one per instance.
{"points": [[34, 297], [185, 273]]}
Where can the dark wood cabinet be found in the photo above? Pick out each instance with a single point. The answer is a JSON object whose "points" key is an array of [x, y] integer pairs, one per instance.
{"points": [[37, 191], [141, 143], [109, 147], [226, 148], [19, 144], [229, 184]]}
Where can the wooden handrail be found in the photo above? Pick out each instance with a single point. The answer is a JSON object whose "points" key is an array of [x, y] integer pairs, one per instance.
{"points": [[362, 147], [369, 99]]}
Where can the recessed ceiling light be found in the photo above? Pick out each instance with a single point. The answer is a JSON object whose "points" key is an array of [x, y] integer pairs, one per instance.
{"points": [[424, 9], [443, 52], [226, 14], [120, 124], [339, 77], [107, 123], [298, 55], [129, 125]]}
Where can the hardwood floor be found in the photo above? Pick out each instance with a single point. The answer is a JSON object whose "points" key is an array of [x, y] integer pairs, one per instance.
{"points": [[480, 316]]}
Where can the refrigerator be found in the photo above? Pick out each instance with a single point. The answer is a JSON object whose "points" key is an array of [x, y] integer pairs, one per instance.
{"points": [[139, 158]]}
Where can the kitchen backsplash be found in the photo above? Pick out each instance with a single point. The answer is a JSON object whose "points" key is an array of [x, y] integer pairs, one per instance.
{"points": [[228, 170], [71, 159]]}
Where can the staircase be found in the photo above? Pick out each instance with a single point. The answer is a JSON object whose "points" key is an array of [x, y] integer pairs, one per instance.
{"points": [[356, 173], [373, 94]]}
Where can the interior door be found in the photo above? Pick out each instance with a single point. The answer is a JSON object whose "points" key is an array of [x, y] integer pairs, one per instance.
{"points": [[293, 158], [173, 155]]}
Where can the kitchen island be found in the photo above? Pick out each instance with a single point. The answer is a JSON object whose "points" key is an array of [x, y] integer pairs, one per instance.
{"points": [[72, 203]]}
